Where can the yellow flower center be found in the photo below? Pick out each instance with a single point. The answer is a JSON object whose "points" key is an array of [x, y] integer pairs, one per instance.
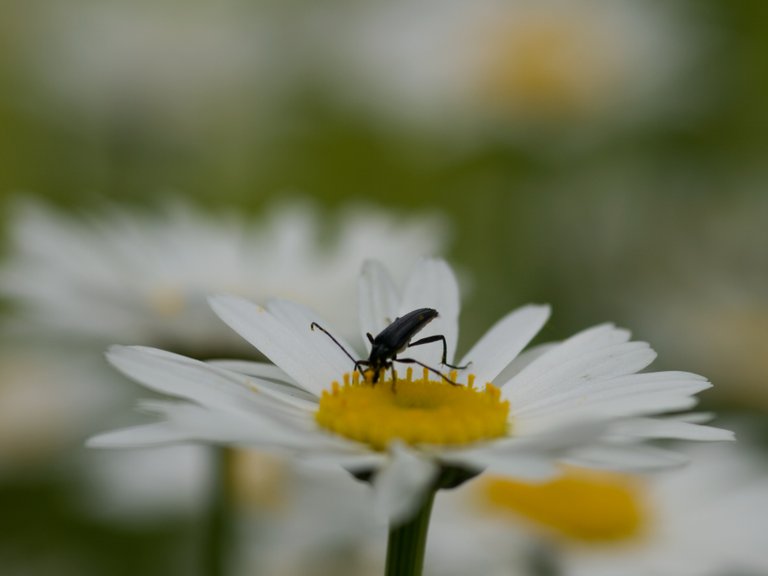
{"points": [[166, 301], [421, 411], [548, 67], [582, 505]]}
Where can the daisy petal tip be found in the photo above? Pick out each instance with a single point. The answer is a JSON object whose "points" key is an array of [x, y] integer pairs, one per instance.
{"points": [[542, 310], [434, 262], [117, 352], [114, 350], [226, 305], [219, 300], [99, 441]]}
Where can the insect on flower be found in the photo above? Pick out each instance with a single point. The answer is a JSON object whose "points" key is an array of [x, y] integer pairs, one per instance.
{"points": [[394, 339]]}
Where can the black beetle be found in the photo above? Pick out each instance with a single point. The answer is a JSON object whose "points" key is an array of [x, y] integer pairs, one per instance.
{"points": [[394, 339]]}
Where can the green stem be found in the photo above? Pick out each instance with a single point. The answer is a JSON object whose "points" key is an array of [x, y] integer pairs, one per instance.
{"points": [[219, 521], [407, 542]]}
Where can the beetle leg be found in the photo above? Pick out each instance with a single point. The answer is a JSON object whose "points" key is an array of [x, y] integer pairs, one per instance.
{"points": [[438, 338], [358, 364], [414, 361]]}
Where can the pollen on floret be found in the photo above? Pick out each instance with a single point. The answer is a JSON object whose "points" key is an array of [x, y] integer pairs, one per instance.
{"points": [[412, 410]]}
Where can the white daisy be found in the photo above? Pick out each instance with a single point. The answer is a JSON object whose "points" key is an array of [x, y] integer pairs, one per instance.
{"points": [[581, 400], [706, 519], [132, 277], [455, 65], [49, 400], [178, 72]]}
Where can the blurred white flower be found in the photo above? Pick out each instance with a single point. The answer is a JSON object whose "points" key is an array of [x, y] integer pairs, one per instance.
{"points": [[515, 64], [143, 486], [318, 524], [703, 520], [125, 276], [49, 399], [170, 67], [579, 401], [128, 276]]}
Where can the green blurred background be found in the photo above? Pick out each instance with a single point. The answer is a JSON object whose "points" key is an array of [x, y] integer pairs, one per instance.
{"points": [[655, 220]]}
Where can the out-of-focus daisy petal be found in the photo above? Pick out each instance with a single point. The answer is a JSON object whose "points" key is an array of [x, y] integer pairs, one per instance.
{"points": [[144, 436], [670, 428], [625, 457], [402, 483], [143, 277], [532, 457]]}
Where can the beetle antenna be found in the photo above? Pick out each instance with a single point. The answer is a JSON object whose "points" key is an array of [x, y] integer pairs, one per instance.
{"points": [[316, 325]]}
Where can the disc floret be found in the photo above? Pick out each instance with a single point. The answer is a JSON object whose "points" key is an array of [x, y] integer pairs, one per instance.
{"points": [[414, 411]]}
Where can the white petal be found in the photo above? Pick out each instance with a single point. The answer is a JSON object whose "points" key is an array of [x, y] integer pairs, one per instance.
{"points": [[256, 427], [641, 406], [521, 361], [402, 483], [609, 362], [669, 428], [268, 377], [504, 341], [277, 342], [377, 299], [158, 434], [349, 459], [696, 417], [259, 369], [186, 422], [603, 395], [299, 319], [596, 338], [530, 457], [625, 457], [180, 376], [433, 285]]}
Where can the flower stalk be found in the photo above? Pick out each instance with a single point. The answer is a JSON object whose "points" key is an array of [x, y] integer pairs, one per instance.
{"points": [[220, 512], [407, 541]]}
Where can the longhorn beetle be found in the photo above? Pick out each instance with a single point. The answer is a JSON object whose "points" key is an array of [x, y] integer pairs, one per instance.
{"points": [[394, 339]]}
